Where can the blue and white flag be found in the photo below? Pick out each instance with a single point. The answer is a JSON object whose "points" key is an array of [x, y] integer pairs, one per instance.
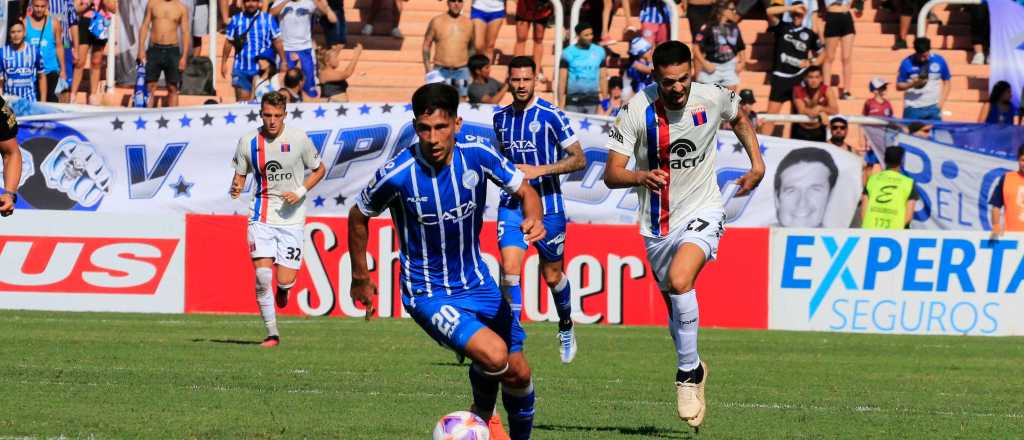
{"points": [[1007, 45]]}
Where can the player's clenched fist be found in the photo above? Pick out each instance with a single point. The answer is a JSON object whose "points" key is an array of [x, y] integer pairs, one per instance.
{"points": [[290, 197], [363, 292], [533, 229], [654, 180], [6, 205]]}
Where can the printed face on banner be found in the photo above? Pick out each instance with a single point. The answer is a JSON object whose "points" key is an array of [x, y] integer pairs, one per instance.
{"points": [[802, 197]]}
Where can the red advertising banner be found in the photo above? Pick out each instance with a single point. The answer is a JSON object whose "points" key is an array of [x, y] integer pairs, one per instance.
{"points": [[606, 264]]}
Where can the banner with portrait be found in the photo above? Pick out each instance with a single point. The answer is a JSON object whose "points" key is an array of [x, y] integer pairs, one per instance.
{"points": [[178, 160]]}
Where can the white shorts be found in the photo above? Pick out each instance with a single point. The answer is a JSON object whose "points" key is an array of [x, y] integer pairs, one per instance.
{"points": [[703, 229], [282, 243], [724, 74]]}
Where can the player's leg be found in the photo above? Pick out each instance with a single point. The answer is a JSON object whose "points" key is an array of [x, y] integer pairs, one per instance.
{"points": [[288, 255], [552, 250], [262, 249], [517, 392], [513, 250], [681, 300]]}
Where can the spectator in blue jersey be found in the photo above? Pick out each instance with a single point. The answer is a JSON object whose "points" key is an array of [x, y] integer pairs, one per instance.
{"points": [[721, 54], [582, 79], [536, 136], [64, 11], [21, 66], [436, 190], [250, 33], [924, 79], [639, 67], [611, 105], [44, 32]]}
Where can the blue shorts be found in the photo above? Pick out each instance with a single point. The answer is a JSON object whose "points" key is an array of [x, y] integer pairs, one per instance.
{"points": [[486, 17], [453, 320], [551, 248], [308, 67], [242, 80], [69, 66]]}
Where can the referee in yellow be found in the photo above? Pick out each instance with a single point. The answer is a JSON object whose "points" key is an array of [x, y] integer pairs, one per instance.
{"points": [[889, 196]]}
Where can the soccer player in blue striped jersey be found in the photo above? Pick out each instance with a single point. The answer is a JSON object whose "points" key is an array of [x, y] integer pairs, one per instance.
{"points": [[436, 190], [257, 32], [536, 136], [21, 67]]}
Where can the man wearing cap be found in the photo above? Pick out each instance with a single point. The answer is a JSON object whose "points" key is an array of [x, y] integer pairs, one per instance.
{"points": [[877, 105], [924, 77]]}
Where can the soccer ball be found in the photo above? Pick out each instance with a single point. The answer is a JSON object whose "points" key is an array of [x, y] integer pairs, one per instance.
{"points": [[461, 425]]}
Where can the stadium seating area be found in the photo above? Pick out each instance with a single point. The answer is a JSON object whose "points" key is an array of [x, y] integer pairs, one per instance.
{"points": [[390, 68]]}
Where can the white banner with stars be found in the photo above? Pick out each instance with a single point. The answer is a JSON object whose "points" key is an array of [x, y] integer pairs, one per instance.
{"points": [[179, 160]]}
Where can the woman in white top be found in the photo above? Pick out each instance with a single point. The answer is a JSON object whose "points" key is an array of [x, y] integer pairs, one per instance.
{"points": [[487, 16]]}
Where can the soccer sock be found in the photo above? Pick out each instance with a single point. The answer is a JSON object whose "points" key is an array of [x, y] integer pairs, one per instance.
{"points": [[264, 275], [515, 293], [562, 294], [485, 390], [282, 289], [519, 405], [685, 322]]}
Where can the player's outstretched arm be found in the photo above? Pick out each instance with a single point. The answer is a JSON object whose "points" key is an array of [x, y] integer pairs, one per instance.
{"points": [[12, 174], [362, 289], [617, 176], [532, 226], [748, 137]]}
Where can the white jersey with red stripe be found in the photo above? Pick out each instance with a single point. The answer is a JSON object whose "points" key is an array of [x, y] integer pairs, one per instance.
{"points": [[278, 166], [682, 143]]}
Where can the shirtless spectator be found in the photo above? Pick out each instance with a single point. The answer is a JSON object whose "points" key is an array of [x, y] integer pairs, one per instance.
{"points": [[453, 33], [334, 76], [163, 20]]}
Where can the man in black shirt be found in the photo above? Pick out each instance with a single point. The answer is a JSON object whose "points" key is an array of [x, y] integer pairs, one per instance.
{"points": [[796, 49]]}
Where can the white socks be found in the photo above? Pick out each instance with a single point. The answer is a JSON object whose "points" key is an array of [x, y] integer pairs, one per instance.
{"points": [[265, 299], [683, 325]]}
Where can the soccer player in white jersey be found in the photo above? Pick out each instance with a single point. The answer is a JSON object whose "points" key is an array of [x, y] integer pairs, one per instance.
{"points": [[669, 128], [278, 158], [436, 190], [536, 136]]}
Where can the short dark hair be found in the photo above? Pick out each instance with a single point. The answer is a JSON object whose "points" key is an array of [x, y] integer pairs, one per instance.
{"points": [[894, 155], [275, 99], [582, 27], [813, 68], [436, 96], [293, 77], [671, 53], [615, 81], [522, 61], [922, 45], [18, 22], [478, 61], [807, 154]]}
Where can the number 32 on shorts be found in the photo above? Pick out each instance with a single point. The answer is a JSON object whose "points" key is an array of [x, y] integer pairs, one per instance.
{"points": [[446, 320], [293, 253]]}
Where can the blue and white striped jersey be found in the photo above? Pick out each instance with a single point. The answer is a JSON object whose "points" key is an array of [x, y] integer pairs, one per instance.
{"points": [[653, 11], [64, 10], [439, 214], [20, 70], [260, 38], [535, 136]]}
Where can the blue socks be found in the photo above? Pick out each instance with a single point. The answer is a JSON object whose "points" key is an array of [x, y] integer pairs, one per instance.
{"points": [[519, 405], [562, 294]]}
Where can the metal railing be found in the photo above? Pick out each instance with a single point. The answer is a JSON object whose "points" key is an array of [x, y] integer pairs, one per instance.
{"points": [[922, 17]]}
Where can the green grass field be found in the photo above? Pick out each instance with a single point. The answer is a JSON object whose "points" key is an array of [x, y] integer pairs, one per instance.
{"points": [[91, 375]]}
